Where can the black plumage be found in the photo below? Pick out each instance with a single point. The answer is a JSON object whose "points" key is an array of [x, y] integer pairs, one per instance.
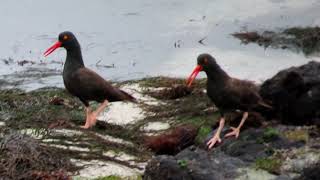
{"points": [[227, 93], [83, 82]]}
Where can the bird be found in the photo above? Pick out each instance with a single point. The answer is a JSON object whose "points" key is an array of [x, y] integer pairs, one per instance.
{"points": [[84, 83], [228, 94]]}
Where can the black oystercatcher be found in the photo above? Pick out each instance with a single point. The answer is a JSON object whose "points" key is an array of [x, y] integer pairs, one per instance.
{"points": [[83, 82], [227, 93]]}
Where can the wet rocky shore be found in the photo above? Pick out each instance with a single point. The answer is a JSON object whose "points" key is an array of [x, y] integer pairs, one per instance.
{"points": [[270, 146], [164, 135]]}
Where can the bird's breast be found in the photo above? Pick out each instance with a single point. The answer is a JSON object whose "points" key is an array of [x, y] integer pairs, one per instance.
{"points": [[70, 82]]}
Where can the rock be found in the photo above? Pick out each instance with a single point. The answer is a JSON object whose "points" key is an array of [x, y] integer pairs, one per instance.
{"points": [[295, 94], [193, 165], [246, 147], [258, 153], [163, 168], [310, 173], [298, 164], [255, 174]]}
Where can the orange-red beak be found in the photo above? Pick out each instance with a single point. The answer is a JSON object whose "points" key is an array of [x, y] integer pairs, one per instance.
{"points": [[194, 75], [52, 48]]}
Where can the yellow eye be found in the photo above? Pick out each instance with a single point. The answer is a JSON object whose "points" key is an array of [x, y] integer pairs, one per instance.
{"points": [[65, 37]]}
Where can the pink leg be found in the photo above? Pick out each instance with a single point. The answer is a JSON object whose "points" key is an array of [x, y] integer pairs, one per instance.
{"points": [[87, 124], [93, 115], [236, 131], [216, 138]]}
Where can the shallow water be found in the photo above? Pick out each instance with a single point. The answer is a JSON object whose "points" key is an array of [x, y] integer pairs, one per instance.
{"points": [[142, 38]]}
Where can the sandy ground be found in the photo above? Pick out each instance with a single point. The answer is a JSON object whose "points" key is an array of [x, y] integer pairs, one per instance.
{"points": [[156, 126], [95, 168], [123, 113]]}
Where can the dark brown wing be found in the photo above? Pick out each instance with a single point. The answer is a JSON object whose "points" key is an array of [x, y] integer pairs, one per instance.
{"points": [[89, 86], [243, 94]]}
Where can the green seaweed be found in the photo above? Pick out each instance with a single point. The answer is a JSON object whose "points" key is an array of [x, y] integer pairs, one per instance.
{"points": [[183, 163], [203, 133], [270, 134], [271, 165]]}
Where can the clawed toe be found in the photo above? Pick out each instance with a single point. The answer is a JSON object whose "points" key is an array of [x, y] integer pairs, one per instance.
{"points": [[85, 127], [213, 141], [234, 132]]}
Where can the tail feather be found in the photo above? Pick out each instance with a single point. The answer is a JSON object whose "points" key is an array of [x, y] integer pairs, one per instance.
{"points": [[129, 97]]}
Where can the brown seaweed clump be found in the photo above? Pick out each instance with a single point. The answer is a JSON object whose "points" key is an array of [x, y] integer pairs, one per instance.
{"points": [[305, 39], [248, 37], [174, 92], [22, 157], [174, 141]]}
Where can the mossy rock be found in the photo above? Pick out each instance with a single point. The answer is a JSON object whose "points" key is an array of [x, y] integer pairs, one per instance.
{"points": [[270, 134], [297, 135], [183, 163], [271, 164], [203, 133]]}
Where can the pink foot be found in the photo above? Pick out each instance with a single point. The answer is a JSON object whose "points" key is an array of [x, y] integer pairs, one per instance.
{"points": [[234, 132], [213, 141]]}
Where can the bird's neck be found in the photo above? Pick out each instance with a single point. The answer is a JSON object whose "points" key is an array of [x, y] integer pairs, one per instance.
{"points": [[217, 75], [74, 59]]}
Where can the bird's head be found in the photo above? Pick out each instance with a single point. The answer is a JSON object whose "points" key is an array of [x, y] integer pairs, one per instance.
{"points": [[66, 39], [205, 62]]}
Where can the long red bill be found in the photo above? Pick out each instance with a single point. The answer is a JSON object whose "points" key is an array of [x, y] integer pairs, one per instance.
{"points": [[194, 75], [52, 48]]}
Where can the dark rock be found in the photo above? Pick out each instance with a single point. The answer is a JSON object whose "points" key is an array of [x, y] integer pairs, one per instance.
{"points": [[246, 146], [193, 165], [228, 160], [283, 177], [311, 173], [295, 94], [282, 143], [254, 143], [163, 168]]}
